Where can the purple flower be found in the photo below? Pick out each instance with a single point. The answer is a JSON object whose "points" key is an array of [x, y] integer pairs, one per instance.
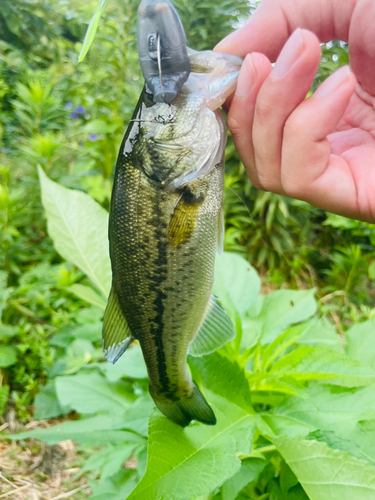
{"points": [[80, 110], [73, 116], [69, 105], [93, 137]]}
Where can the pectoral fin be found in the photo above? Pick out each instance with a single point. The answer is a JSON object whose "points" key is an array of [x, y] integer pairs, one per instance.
{"points": [[116, 332], [216, 330]]}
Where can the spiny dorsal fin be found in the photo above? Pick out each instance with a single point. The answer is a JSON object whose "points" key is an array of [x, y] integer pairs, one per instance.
{"points": [[216, 330], [116, 332]]}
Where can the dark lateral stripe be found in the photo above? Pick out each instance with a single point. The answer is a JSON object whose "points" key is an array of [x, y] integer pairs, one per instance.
{"points": [[161, 265]]}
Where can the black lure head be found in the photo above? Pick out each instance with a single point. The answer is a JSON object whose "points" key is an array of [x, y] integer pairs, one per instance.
{"points": [[162, 49]]}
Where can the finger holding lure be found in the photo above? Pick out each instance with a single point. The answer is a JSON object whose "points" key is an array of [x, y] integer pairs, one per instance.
{"points": [[166, 218]]}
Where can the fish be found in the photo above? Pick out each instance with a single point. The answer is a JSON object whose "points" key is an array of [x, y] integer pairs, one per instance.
{"points": [[165, 227]]}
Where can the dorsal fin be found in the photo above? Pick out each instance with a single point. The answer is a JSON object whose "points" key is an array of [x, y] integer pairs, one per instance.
{"points": [[116, 332], [216, 330]]}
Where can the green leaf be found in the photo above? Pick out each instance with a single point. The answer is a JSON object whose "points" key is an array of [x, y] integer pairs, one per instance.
{"points": [[319, 333], [108, 429], [47, 404], [88, 294], [99, 126], [237, 284], [110, 459], [347, 413], [90, 392], [360, 343], [116, 487], [371, 271], [249, 472], [205, 453], [78, 227], [280, 310], [4, 394], [7, 331], [90, 35], [78, 354], [307, 363], [224, 377], [8, 356], [325, 473]]}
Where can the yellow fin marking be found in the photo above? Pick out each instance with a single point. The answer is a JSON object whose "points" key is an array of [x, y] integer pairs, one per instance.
{"points": [[183, 222]]}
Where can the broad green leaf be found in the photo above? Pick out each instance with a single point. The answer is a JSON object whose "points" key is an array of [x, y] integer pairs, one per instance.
{"points": [[307, 363], [116, 487], [8, 356], [90, 392], [224, 377], [280, 310], [78, 227], [320, 333], [347, 413], [88, 294], [7, 331], [237, 284], [205, 453], [360, 343], [88, 331], [47, 404], [78, 354], [249, 471], [325, 473], [108, 429], [110, 459], [131, 365], [96, 438]]}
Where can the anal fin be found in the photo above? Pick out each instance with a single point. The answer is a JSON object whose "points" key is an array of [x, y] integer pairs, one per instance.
{"points": [[116, 332], [216, 330]]}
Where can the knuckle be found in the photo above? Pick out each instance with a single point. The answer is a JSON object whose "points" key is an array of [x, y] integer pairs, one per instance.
{"points": [[263, 110], [234, 126]]}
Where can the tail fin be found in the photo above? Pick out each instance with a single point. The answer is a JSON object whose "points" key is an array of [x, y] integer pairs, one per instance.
{"points": [[183, 411]]}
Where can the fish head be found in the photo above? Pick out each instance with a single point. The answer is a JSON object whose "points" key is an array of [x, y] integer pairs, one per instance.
{"points": [[185, 139]]}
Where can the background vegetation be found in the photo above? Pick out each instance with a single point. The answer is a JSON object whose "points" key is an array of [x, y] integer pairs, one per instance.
{"points": [[68, 119]]}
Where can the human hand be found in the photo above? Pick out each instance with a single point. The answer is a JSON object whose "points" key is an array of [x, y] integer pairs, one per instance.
{"points": [[321, 149]]}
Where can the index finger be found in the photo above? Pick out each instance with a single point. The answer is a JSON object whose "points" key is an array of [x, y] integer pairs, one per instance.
{"points": [[274, 21]]}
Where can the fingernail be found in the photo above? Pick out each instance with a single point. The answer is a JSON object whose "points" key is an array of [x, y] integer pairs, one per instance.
{"points": [[333, 82], [246, 78], [290, 53]]}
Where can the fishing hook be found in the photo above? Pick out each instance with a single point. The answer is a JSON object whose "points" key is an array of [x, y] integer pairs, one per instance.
{"points": [[158, 50]]}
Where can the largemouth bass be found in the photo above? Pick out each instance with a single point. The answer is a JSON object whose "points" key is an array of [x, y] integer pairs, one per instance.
{"points": [[165, 227]]}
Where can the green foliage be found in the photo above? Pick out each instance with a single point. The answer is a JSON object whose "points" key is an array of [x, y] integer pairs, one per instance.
{"points": [[283, 388], [294, 400]]}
